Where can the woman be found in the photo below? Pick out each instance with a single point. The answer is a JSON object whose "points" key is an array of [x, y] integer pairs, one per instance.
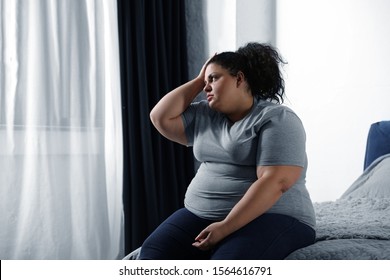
{"points": [[248, 199]]}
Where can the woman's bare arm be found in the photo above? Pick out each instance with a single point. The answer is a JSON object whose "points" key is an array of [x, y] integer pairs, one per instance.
{"points": [[166, 115], [272, 182]]}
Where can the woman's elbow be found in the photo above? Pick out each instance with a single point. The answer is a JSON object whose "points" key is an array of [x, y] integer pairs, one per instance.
{"points": [[156, 119], [153, 118], [170, 128], [282, 176], [158, 124], [289, 180]]}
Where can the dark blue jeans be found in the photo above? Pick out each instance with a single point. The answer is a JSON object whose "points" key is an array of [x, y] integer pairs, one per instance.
{"points": [[268, 237]]}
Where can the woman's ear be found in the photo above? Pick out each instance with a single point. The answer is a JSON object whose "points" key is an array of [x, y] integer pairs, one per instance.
{"points": [[240, 78]]}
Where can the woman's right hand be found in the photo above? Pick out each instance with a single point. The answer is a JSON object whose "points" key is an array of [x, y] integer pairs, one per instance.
{"points": [[203, 70]]}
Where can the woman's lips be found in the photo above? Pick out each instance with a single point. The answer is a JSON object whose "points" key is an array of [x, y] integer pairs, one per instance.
{"points": [[210, 97]]}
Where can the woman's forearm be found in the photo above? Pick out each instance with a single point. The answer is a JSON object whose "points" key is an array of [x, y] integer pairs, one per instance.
{"points": [[272, 182], [262, 195], [165, 116], [174, 103]]}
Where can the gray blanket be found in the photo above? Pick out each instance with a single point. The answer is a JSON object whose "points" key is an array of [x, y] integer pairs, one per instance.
{"points": [[344, 249], [356, 226], [350, 230], [363, 218]]}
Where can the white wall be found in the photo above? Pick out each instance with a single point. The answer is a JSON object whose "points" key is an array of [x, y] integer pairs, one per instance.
{"points": [[337, 81], [221, 25], [233, 23], [255, 21], [336, 78]]}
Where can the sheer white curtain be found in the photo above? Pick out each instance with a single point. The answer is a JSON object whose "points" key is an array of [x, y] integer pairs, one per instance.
{"points": [[60, 130]]}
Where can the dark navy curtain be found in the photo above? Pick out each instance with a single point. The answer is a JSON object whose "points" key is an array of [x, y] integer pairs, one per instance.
{"points": [[153, 56]]}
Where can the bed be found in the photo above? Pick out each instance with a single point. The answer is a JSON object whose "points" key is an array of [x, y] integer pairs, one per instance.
{"points": [[357, 225]]}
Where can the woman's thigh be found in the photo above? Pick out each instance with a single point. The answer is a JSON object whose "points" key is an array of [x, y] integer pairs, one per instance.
{"points": [[270, 237], [173, 239]]}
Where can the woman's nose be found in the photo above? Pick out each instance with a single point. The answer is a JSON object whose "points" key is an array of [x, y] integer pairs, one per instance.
{"points": [[207, 87]]}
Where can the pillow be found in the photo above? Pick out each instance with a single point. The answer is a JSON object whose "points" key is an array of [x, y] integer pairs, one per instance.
{"points": [[378, 142], [374, 182]]}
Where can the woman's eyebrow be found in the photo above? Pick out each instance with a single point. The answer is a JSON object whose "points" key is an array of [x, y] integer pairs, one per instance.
{"points": [[211, 75]]}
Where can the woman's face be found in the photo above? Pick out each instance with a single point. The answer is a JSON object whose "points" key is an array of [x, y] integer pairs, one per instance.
{"points": [[221, 89]]}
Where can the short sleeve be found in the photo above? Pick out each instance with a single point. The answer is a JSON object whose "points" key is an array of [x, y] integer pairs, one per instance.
{"points": [[282, 140], [188, 118]]}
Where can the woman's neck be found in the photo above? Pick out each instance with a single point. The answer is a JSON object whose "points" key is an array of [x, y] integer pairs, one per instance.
{"points": [[242, 111]]}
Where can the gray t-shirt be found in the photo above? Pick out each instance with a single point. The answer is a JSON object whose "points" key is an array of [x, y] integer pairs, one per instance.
{"points": [[270, 134]]}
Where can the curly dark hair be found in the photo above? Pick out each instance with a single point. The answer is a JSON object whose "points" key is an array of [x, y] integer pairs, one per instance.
{"points": [[260, 65]]}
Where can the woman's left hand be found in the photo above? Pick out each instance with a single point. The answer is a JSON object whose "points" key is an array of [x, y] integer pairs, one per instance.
{"points": [[210, 236]]}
